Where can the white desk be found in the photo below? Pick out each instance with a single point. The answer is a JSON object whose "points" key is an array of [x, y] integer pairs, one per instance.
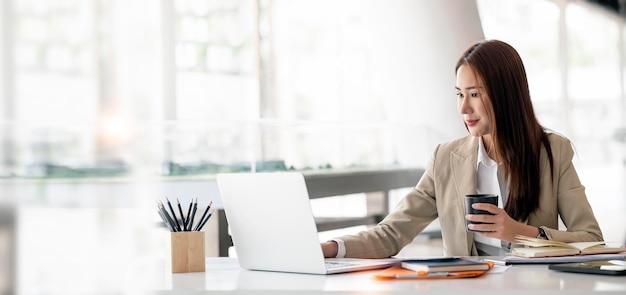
{"points": [[118, 251], [92, 275], [224, 274]]}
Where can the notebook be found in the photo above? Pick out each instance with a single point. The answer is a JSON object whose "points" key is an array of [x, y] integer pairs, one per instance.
{"points": [[273, 228]]}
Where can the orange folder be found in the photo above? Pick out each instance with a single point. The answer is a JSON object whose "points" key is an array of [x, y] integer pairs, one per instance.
{"points": [[399, 273]]}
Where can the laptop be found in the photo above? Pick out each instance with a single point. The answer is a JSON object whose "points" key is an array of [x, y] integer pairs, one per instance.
{"points": [[273, 228]]}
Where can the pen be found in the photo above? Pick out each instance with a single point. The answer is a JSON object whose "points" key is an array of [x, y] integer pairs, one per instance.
{"points": [[169, 205], [424, 275], [180, 210], [205, 220], [495, 262], [193, 215], [203, 215]]}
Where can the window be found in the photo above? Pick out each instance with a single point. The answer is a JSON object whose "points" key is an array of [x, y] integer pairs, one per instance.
{"points": [[594, 87], [197, 87], [532, 27], [55, 66]]}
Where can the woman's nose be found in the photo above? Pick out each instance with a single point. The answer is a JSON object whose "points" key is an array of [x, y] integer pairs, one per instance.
{"points": [[464, 107]]}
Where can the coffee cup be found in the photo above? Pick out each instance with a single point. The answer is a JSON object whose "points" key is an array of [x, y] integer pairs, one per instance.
{"points": [[478, 198]]}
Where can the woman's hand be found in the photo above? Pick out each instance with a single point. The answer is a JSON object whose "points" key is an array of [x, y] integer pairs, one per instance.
{"points": [[330, 249], [501, 225]]}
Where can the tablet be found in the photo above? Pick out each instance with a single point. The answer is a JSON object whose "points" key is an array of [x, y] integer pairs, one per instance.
{"points": [[604, 267]]}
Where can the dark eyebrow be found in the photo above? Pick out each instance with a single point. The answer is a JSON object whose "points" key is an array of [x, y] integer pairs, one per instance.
{"points": [[467, 88]]}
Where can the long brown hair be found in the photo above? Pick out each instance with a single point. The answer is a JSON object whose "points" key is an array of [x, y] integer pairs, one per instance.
{"points": [[517, 135]]}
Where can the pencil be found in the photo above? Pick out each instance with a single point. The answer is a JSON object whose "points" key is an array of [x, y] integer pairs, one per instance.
{"points": [[164, 221], [188, 214], [180, 210], [203, 215], [167, 216], [193, 215], [169, 205], [205, 220]]}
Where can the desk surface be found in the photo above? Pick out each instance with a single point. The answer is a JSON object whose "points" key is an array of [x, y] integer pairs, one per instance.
{"points": [[224, 274], [118, 252]]}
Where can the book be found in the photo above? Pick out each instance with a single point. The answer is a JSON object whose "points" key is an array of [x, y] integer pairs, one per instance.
{"points": [[445, 264], [546, 248], [511, 259]]}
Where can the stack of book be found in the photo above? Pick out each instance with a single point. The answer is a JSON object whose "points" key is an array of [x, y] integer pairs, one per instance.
{"points": [[533, 247]]}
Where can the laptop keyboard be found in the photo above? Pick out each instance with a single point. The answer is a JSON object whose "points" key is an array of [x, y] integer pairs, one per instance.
{"points": [[331, 265]]}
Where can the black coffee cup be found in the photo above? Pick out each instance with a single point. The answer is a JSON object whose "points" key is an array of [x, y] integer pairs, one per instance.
{"points": [[478, 198]]}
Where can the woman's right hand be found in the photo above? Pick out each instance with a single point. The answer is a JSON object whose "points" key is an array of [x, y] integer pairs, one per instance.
{"points": [[330, 249]]}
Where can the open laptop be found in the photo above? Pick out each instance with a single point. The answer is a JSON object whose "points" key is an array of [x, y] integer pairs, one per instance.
{"points": [[273, 228]]}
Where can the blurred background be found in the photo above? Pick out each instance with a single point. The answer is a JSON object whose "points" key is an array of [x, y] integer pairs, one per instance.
{"points": [[108, 105]]}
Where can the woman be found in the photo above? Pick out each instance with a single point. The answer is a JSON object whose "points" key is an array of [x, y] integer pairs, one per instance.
{"points": [[507, 152]]}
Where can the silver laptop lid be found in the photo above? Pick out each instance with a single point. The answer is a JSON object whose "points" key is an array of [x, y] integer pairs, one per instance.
{"points": [[271, 221]]}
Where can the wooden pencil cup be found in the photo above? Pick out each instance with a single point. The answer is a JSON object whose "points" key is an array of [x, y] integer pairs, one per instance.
{"points": [[188, 251]]}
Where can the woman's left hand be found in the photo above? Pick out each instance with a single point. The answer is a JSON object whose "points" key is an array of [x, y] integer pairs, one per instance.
{"points": [[499, 225]]}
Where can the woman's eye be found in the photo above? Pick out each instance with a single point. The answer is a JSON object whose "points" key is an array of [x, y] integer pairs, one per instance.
{"points": [[474, 94], [459, 95]]}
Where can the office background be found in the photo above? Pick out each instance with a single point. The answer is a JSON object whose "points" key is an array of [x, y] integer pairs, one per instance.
{"points": [[103, 102]]}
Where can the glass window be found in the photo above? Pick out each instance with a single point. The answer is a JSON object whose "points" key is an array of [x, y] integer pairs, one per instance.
{"points": [[54, 73], [54, 61], [532, 27], [216, 89], [594, 82], [593, 51], [216, 60]]}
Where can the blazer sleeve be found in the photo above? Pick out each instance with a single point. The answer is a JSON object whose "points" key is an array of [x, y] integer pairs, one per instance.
{"points": [[573, 206], [412, 214]]}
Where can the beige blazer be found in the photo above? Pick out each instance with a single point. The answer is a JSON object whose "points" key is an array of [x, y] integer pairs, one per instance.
{"points": [[451, 174]]}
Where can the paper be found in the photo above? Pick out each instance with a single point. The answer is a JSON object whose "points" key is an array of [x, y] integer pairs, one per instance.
{"points": [[498, 269]]}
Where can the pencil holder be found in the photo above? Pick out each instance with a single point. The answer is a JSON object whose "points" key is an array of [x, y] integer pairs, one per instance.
{"points": [[188, 251]]}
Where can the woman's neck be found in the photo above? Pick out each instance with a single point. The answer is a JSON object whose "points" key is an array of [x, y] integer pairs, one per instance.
{"points": [[488, 145]]}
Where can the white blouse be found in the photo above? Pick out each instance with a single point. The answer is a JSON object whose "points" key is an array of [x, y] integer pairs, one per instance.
{"points": [[489, 181]]}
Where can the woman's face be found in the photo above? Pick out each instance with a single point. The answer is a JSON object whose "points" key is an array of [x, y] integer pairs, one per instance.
{"points": [[472, 98]]}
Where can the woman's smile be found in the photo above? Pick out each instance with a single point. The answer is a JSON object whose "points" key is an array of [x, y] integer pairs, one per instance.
{"points": [[471, 123]]}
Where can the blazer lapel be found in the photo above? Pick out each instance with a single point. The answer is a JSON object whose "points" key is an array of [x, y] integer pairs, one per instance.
{"points": [[463, 163]]}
